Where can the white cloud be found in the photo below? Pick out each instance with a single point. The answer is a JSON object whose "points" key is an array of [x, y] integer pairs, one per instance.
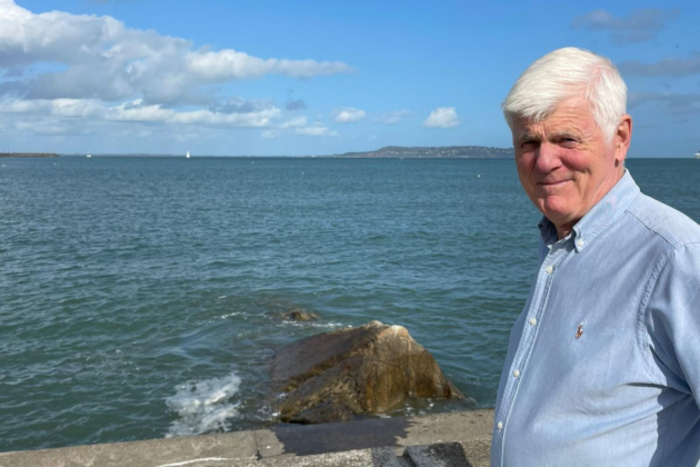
{"points": [[97, 57], [137, 111], [348, 115], [66, 74], [392, 118], [41, 128], [206, 118], [319, 129], [239, 105], [442, 117], [641, 25], [56, 107], [228, 65], [46, 125], [297, 122]]}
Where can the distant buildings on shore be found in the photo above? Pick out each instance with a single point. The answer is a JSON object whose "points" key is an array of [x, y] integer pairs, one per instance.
{"points": [[28, 154]]}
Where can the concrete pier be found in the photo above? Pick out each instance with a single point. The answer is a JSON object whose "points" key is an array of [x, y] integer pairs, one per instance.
{"points": [[459, 439]]}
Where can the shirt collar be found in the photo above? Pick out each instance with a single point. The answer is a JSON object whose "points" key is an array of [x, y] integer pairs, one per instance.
{"points": [[601, 215]]}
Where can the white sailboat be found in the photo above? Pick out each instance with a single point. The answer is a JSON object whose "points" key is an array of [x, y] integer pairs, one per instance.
{"points": [[188, 155], [88, 156]]}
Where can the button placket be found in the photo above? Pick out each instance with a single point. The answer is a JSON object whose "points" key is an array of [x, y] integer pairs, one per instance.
{"points": [[536, 308]]}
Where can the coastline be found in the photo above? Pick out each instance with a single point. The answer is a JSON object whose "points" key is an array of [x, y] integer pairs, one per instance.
{"points": [[28, 154]]}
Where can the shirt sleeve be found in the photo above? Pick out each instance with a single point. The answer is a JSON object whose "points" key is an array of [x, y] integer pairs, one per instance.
{"points": [[673, 320]]}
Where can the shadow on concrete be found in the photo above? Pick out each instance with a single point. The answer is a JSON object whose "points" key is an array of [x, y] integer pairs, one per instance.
{"points": [[343, 436], [451, 454]]}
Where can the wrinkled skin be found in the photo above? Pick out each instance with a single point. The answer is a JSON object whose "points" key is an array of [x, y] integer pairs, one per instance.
{"points": [[566, 163]]}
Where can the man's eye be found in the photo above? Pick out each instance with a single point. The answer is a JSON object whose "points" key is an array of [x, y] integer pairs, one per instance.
{"points": [[527, 144], [568, 142]]}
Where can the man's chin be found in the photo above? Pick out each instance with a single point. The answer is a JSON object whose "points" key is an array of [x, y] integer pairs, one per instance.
{"points": [[558, 215]]}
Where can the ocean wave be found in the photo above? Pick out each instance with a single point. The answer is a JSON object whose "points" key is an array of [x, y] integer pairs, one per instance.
{"points": [[313, 324], [204, 406], [229, 315]]}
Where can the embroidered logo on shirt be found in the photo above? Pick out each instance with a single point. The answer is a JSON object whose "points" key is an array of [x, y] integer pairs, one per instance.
{"points": [[579, 331]]}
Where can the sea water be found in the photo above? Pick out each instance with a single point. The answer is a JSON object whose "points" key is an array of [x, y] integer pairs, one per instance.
{"points": [[141, 297]]}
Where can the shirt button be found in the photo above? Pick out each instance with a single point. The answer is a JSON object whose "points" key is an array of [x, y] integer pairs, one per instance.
{"points": [[516, 373], [500, 426], [580, 242], [549, 269], [533, 321]]}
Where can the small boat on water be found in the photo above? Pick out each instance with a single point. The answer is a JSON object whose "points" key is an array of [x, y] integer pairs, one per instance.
{"points": [[88, 156], [188, 155], [697, 155]]}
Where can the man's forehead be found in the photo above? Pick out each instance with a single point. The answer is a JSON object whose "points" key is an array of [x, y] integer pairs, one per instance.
{"points": [[553, 125], [522, 124], [572, 112], [527, 127], [540, 133]]}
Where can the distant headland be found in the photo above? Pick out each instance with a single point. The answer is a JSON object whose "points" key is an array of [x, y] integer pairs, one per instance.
{"points": [[388, 152], [28, 154], [446, 152]]}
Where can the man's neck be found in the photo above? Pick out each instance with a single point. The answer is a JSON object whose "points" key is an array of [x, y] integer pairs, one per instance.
{"points": [[565, 230]]}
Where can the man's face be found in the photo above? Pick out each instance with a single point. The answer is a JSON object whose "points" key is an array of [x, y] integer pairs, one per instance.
{"points": [[566, 164]]}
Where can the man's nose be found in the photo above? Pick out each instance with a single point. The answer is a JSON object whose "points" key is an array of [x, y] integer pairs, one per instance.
{"points": [[547, 157]]}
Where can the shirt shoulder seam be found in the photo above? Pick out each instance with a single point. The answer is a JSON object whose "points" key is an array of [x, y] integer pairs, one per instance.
{"points": [[676, 244], [650, 229]]}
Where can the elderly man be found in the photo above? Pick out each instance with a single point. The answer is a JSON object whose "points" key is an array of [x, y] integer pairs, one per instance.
{"points": [[603, 365]]}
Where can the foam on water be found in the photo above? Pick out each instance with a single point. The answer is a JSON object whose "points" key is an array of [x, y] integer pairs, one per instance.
{"points": [[313, 324], [204, 406], [229, 315]]}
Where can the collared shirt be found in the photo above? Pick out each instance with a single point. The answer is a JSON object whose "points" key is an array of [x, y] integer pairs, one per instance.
{"points": [[603, 365]]}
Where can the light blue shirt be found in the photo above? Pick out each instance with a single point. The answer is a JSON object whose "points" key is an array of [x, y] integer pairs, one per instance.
{"points": [[603, 365]]}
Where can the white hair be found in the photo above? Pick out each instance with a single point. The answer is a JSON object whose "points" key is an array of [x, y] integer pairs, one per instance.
{"points": [[567, 73]]}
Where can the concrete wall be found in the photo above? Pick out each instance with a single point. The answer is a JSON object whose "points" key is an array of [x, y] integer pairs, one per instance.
{"points": [[354, 444]]}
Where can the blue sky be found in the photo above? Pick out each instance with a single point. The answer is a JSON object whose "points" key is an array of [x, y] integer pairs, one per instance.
{"points": [[315, 78]]}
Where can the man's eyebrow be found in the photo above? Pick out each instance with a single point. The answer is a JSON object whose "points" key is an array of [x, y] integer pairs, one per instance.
{"points": [[566, 133], [527, 136]]}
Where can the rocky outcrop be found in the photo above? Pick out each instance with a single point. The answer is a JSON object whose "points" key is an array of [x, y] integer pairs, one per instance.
{"points": [[297, 314], [343, 374], [445, 152]]}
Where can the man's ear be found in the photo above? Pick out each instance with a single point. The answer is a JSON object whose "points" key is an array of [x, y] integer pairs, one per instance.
{"points": [[623, 138]]}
